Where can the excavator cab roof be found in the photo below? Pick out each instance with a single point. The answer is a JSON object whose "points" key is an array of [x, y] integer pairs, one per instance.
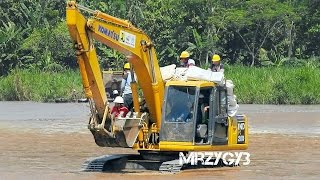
{"points": [[191, 83]]}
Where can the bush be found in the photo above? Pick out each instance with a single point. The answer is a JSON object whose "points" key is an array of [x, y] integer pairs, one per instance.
{"points": [[275, 85], [24, 85]]}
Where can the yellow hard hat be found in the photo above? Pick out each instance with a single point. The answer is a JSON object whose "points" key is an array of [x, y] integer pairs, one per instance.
{"points": [[215, 58], [126, 66], [184, 54]]}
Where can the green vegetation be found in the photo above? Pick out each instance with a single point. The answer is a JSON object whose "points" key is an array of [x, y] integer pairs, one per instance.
{"points": [[280, 37], [275, 85], [22, 85], [267, 85]]}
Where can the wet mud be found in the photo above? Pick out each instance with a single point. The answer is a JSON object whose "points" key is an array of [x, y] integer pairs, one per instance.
{"points": [[50, 141]]}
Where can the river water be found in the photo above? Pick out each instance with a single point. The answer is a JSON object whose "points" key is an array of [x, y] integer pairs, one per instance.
{"points": [[51, 141]]}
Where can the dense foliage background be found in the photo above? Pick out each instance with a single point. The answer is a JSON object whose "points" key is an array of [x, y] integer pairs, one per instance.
{"points": [[33, 33]]}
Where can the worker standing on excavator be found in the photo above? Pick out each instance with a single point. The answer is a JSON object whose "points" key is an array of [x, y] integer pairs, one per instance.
{"points": [[216, 65], [185, 60], [126, 91]]}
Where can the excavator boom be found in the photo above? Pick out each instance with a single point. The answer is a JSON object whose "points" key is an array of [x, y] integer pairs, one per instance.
{"points": [[124, 37]]}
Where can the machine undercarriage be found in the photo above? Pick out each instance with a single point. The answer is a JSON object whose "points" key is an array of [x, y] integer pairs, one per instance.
{"points": [[164, 163]]}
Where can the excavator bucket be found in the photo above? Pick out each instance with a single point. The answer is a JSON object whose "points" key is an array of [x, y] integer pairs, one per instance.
{"points": [[127, 130], [124, 131]]}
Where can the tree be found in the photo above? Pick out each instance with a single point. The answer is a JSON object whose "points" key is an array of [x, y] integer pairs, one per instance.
{"points": [[255, 22]]}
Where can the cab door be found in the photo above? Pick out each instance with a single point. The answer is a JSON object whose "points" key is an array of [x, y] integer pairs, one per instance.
{"points": [[178, 114], [203, 124], [219, 116]]}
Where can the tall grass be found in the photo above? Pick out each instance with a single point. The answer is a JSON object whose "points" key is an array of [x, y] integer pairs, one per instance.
{"points": [[22, 85], [275, 85]]}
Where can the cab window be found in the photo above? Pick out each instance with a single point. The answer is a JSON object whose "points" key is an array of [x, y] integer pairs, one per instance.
{"points": [[180, 104]]}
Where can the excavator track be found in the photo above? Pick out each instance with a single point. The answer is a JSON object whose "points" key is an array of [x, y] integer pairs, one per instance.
{"points": [[136, 163], [120, 163], [97, 164]]}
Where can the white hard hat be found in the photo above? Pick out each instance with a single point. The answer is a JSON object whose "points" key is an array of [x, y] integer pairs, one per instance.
{"points": [[118, 99], [201, 96], [191, 61], [115, 92]]}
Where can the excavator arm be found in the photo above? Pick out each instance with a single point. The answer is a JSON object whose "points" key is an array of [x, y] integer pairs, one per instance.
{"points": [[120, 35]]}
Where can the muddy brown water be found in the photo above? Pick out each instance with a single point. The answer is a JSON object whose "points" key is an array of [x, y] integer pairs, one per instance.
{"points": [[51, 141]]}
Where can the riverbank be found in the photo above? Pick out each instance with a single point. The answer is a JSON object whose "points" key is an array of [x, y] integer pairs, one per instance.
{"points": [[268, 85], [23, 85]]}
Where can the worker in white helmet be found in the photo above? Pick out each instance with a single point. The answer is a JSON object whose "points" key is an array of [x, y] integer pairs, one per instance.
{"points": [[115, 93], [119, 109]]}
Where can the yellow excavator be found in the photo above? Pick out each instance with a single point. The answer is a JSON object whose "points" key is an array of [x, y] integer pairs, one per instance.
{"points": [[159, 134]]}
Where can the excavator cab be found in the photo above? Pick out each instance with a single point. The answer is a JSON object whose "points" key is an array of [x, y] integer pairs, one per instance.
{"points": [[196, 114]]}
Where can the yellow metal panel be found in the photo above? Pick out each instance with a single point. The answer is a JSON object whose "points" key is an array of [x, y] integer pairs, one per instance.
{"points": [[188, 146], [135, 97], [232, 141], [90, 72], [233, 131]]}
